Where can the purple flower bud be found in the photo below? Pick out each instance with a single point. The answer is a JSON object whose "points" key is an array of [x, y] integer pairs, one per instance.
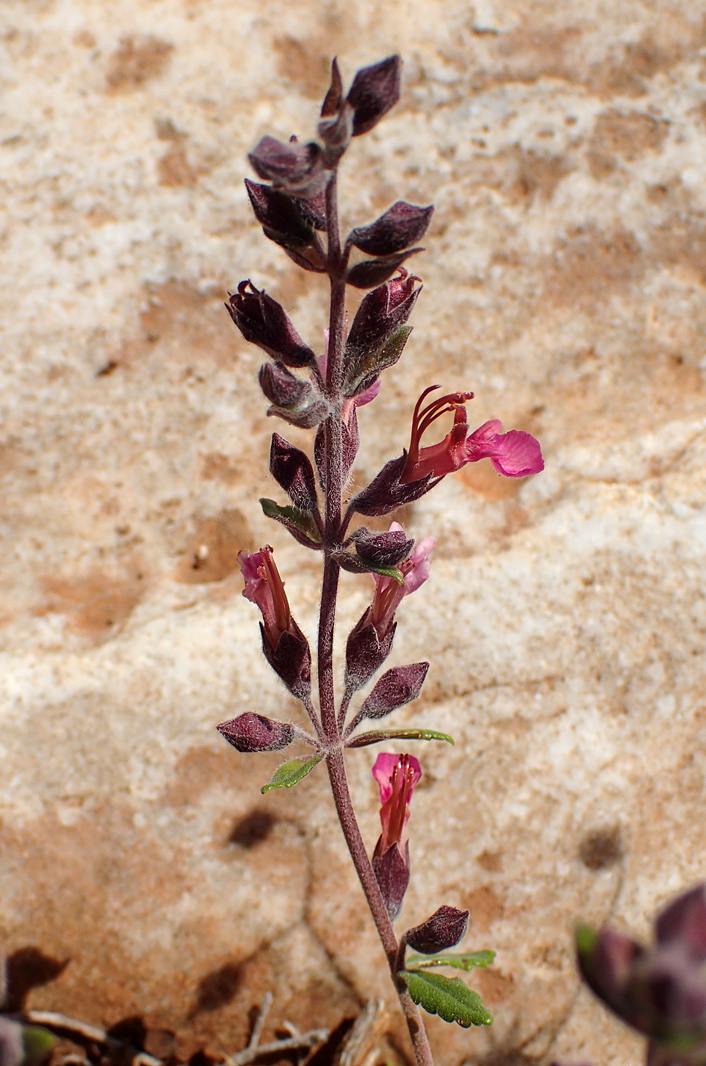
{"points": [[381, 549], [400, 226], [398, 686], [290, 659], [263, 322], [379, 316], [294, 167], [280, 215], [374, 91], [312, 259], [253, 732], [294, 400], [444, 929], [366, 650], [373, 272], [283, 388], [385, 492], [391, 869], [292, 470]]}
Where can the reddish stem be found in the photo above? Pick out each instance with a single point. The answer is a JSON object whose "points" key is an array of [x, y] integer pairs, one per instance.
{"points": [[331, 723]]}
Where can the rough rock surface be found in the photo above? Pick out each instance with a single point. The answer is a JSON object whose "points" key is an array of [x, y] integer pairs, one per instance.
{"points": [[565, 618]]}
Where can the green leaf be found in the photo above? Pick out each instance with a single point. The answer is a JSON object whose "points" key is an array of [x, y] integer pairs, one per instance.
{"points": [[364, 366], [386, 571], [292, 772], [586, 940], [448, 997], [293, 518], [464, 961], [37, 1043], [381, 735]]}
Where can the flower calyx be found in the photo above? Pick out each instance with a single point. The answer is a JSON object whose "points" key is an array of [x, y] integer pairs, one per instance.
{"points": [[293, 400], [290, 166], [284, 645], [399, 227], [370, 642], [254, 732], [396, 776], [264, 322], [378, 334], [446, 928]]}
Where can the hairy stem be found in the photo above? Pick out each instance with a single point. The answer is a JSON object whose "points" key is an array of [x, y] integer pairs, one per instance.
{"points": [[334, 467], [366, 875], [332, 724]]}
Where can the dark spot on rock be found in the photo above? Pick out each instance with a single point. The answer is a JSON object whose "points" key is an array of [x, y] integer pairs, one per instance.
{"points": [[174, 168], [218, 988], [252, 829], [131, 1031], [601, 848], [107, 368], [29, 968], [492, 861], [135, 60], [213, 551]]}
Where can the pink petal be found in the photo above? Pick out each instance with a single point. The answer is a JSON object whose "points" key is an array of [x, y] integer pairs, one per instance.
{"points": [[419, 564], [514, 454], [369, 395], [517, 454], [382, 772]]}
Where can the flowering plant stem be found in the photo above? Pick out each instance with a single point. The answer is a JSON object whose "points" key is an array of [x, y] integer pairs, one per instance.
{"points": [[329, 723], [299, 205]]}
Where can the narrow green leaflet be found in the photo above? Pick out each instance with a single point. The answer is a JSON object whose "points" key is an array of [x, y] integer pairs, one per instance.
{"points": [[386, 571], [292, 772], [465, 961], [448, 997], [380, 735], [293, 518]]}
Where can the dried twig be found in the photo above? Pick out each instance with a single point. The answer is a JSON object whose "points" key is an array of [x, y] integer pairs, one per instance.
{"points": [[54, 1021], [290, 1043], [363, 1032]]}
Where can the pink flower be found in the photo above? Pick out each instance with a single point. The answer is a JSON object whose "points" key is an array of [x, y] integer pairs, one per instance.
{"points": [[397, 777], [388, 593], [264, 587], [514, 454]]}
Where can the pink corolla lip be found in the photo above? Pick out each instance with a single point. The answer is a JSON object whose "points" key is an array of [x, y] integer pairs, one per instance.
{"points": [[397, 777], [514, 454], [388, 592]]}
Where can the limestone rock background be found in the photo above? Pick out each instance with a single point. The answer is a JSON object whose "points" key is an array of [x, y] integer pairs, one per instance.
{"points": [[565, 279]]}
